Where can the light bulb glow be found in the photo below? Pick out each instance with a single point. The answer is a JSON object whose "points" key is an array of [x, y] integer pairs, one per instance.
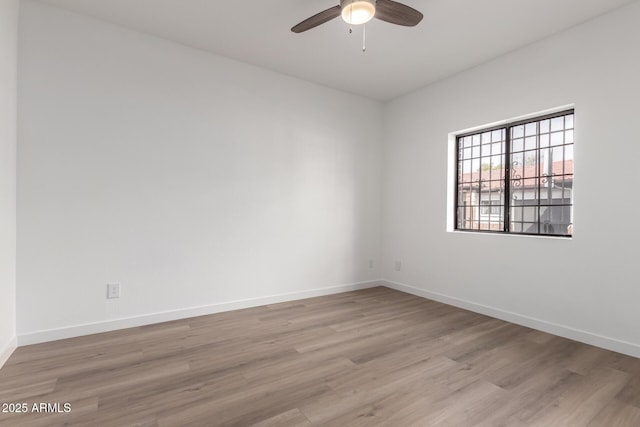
{"points": [[358, 11]]}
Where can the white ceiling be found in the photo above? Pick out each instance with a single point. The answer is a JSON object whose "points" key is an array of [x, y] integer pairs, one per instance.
{"points": [[454, 35]]}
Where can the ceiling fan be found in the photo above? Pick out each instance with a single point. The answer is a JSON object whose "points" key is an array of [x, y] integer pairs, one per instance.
{"points": [[356, 12]]}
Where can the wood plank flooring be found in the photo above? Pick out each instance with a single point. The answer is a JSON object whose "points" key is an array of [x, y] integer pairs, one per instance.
{"points": [[375, 357]]}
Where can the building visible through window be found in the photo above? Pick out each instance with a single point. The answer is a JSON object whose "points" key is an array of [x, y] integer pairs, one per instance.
{"points": [[517, 178]]}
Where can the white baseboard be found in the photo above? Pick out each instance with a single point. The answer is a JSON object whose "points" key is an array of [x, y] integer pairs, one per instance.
{"points": [[7, 350], [147, 319], [613, 344]]}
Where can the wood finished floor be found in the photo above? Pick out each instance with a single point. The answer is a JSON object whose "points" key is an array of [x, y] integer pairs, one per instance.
{"points": [[375, 357]]}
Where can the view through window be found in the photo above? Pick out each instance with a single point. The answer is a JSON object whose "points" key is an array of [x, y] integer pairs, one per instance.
{"points": [[517, 178]]}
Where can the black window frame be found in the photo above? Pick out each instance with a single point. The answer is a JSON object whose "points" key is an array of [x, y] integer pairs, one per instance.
{"points": [[506, 180]]}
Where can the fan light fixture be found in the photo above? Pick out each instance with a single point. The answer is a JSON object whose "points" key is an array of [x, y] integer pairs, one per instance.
{"points": [[356, 12]]}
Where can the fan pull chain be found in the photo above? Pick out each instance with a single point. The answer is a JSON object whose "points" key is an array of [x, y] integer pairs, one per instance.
{"points": [[364, 37], [351, 17]]}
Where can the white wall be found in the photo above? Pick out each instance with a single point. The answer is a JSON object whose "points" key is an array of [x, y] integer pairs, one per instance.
{"points": [[8, 111], [585, 288], [191, 179]]}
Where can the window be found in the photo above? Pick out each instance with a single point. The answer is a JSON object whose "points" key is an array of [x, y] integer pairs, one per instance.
{"points": [[517, 178]]}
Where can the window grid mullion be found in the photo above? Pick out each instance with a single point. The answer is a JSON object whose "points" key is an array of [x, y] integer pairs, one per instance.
{"points": [[507, 180], [456, 219], [537, 173]]}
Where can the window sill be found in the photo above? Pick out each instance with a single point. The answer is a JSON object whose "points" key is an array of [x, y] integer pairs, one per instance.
{"points": [[488, 233]]}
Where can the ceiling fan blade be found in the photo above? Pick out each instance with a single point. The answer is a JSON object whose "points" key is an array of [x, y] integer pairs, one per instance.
{"points": [[317, 19], [397, 13]]}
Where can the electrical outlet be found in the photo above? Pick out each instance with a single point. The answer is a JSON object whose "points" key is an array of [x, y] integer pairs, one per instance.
{"points": [[113, 290], [398, 265], [370, 263]]}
